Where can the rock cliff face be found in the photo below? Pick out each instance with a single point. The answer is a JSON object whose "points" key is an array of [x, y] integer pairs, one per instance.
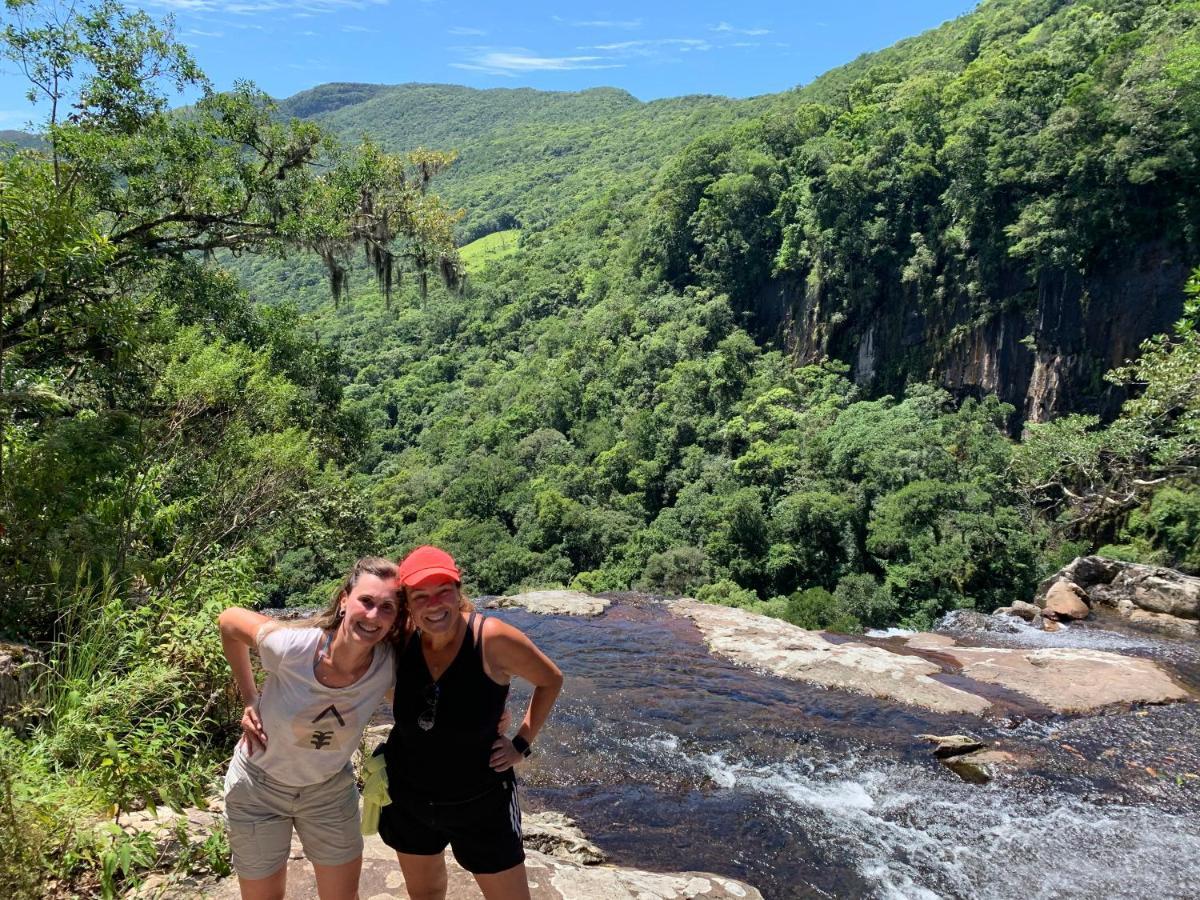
{"points": [[1043, 347]]}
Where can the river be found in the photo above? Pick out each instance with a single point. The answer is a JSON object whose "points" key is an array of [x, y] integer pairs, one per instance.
{"points": [[670, 758]]}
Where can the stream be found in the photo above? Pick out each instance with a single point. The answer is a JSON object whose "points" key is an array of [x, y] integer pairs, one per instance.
{"points": [[672, 759]]}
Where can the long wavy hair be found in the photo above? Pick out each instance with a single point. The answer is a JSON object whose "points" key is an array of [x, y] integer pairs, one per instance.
{"points": [[384, 569]]}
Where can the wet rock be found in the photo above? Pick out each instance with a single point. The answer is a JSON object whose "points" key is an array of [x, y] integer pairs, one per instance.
{"points": [[19, 669], [553, 603], [1050, 625], [1065, 600], [774, 646], [981, 766], [1070, 680], [557, 835], [969, 620], [550, 878], [946, 745]]}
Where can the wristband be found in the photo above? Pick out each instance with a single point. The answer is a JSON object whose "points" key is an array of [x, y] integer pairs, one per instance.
{"points": [[522, 746]]}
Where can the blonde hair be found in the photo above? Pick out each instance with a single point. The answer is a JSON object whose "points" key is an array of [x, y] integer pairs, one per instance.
{"points": [[381, 568]]}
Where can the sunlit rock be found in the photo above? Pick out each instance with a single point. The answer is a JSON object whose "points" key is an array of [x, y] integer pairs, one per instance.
{"points": [[774, 646], [1070, 680], [552, 603], [1065, 600]]}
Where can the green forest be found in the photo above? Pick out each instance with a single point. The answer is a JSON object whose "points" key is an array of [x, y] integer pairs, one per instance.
{"points": [[241, 345]]}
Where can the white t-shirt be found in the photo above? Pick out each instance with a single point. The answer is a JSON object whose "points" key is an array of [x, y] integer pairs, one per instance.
{"points": [[312, 730]]}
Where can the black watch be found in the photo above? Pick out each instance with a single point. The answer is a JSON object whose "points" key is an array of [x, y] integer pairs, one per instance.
{"points": [[522, 746]]}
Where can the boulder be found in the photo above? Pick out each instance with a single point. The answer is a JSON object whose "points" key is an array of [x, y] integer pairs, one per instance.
{"points": [[774, 646], [552, 603], [981, 766], [20, 666], [1162, 591], [1026, 611], [1065, 600]]}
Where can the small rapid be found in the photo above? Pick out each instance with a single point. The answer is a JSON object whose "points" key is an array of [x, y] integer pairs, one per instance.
{"points": [[671, 759]]}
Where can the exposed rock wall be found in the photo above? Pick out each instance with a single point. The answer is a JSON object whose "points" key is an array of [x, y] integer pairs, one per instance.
{"points": [[1043, 347]]}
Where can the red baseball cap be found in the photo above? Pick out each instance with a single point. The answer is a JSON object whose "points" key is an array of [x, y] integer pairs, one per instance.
{"points": [[425, 564]]}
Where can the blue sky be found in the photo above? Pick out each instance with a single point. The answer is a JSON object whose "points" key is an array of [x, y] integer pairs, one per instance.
{"points": [[653, 50]]}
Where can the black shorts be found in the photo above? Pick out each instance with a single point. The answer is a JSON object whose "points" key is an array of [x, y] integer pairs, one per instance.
{"points": [[484, 832]]}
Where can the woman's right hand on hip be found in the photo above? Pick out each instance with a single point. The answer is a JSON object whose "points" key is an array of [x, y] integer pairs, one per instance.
{"points": [[252, 731]]}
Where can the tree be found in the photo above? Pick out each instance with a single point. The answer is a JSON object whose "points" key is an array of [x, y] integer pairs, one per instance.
{"points": [[131, 369]]}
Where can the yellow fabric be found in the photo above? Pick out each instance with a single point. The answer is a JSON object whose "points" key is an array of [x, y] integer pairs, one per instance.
{"points": [[375, 793]]}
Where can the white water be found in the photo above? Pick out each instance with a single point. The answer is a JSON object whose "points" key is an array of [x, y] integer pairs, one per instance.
{"points": [[917, 832]]}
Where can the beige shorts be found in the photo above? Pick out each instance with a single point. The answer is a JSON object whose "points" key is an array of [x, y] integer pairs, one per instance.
{"points": [[261, 813]]}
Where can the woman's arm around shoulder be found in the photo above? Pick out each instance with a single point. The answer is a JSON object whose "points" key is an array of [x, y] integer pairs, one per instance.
{"points": [[242, 625]]}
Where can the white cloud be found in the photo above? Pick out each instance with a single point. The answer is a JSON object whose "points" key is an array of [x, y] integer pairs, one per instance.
{"points": [[508, 63], [628, 24], [355, 28], [249, 7], [461, 31], [648, 45], [729, 29], [607, 23], [196, 32]]}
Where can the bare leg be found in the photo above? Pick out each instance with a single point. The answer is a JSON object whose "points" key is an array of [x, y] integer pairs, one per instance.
{"points": [[338, 882], [424, 876], [273, 887], [511, 884]]}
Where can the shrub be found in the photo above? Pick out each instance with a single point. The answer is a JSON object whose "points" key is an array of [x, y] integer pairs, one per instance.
{"points": [[726, 593]]}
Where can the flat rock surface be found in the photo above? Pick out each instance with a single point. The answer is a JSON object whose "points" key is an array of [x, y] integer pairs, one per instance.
{"points": [[549, 879], [1066, 680], [1070, 680], [782, 649], [553, 603]]}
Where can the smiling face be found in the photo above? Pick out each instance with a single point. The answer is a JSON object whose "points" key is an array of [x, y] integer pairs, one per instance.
{"points": [[433, 605], [370, 609]]}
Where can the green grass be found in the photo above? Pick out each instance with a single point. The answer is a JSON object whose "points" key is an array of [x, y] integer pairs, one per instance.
{"points": [[477, 255]]}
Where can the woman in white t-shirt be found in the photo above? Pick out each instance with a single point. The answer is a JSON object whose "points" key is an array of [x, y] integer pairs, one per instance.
{"points": [[292, 767]]}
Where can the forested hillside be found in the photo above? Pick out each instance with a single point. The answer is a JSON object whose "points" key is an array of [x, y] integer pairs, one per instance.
{"points": [[526, 158], [603, 408]]}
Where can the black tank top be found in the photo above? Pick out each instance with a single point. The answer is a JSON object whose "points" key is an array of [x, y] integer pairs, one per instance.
{"points": [[448, 761]]}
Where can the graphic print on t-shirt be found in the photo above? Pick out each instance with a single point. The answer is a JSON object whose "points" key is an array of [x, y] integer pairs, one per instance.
{"points": [[320, 727]]}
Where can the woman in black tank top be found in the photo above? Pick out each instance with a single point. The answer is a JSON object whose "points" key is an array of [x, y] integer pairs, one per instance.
{"points": [[450, 772]]}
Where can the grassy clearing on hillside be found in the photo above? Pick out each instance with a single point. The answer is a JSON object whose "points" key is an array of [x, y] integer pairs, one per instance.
{"points": [[478, 255]]}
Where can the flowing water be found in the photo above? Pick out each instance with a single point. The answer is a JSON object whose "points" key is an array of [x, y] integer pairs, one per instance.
{"points": [[670, 758]]}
